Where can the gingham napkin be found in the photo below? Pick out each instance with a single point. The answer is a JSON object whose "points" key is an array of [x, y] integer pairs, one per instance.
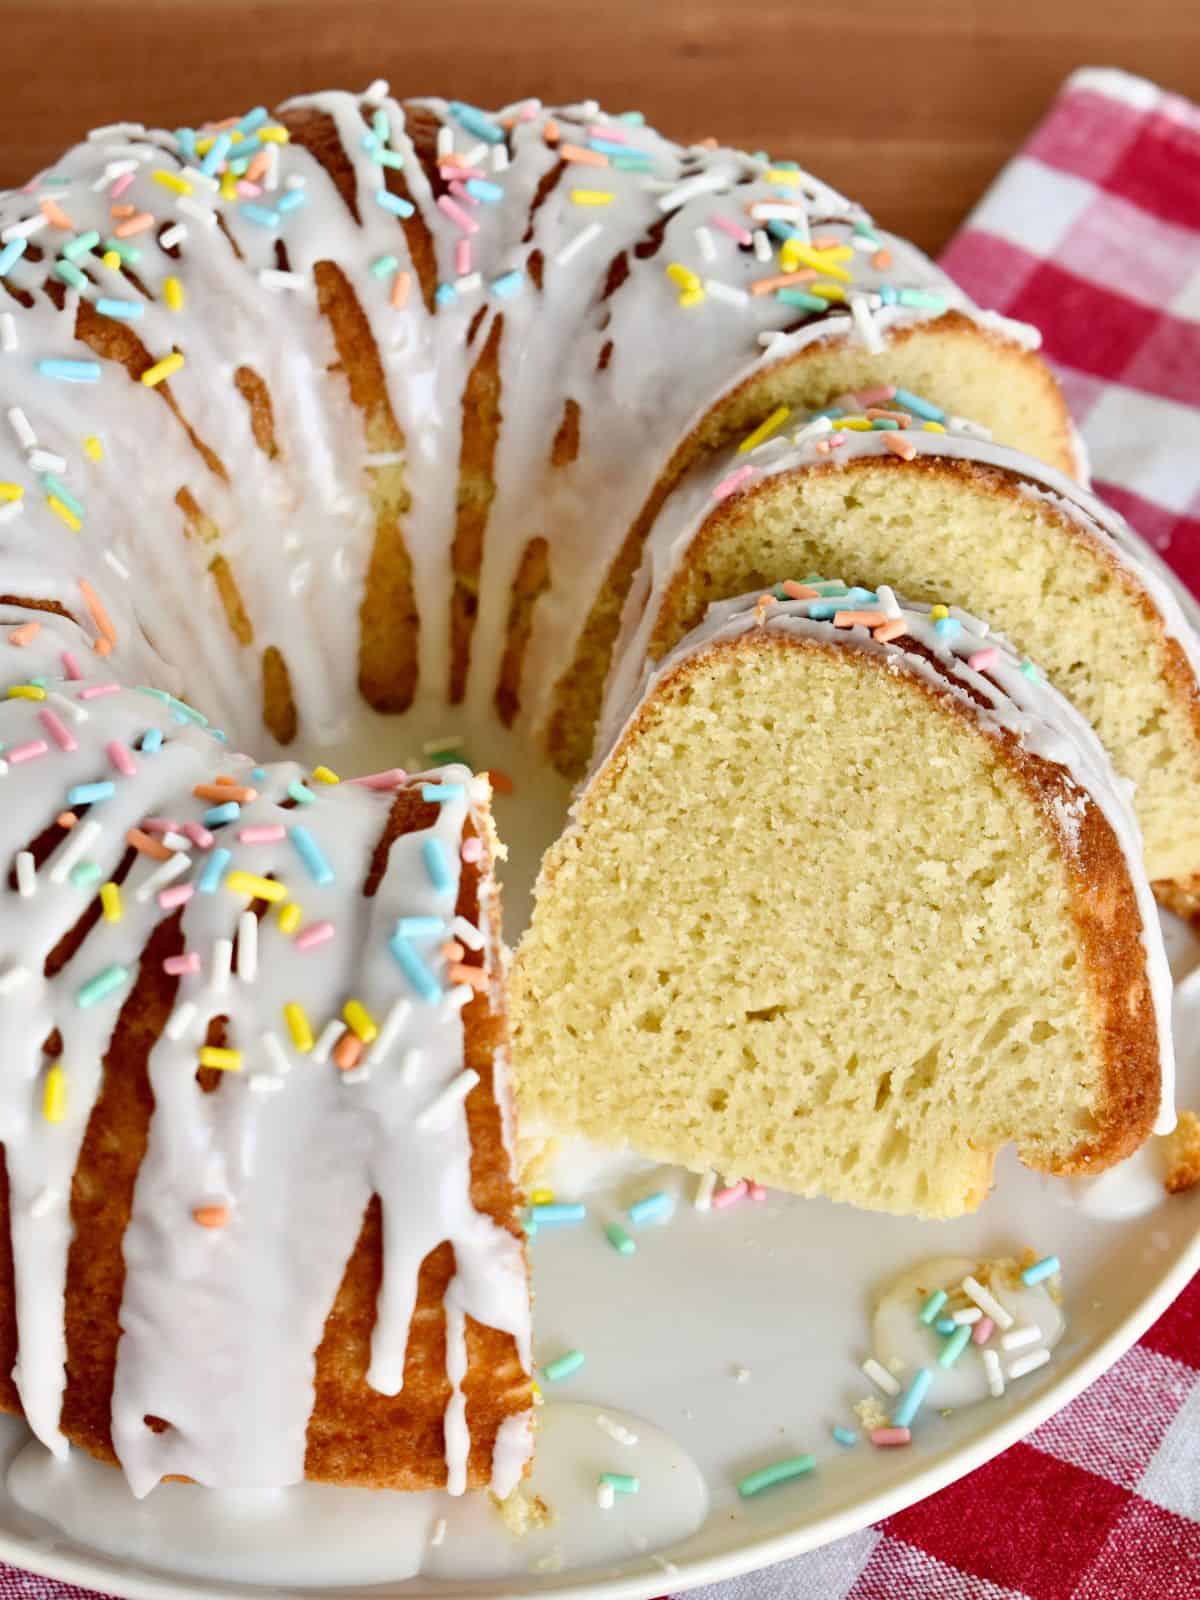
{"points": [[1092, 233]]}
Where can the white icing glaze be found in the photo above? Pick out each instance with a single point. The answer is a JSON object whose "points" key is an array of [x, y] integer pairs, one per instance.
{"points": [[1027, 706], [220, 1325]]}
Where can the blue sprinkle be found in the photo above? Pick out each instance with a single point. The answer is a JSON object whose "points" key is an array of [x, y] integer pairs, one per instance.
{"points": [[259, 774], [185, 140], [558, 1213], [292, 200], [11, 254], [846, 1436], [906, 401], [253, 120], [152, 740], [1030, 671], [209, 880], [784, 230], [887, 294], [219, 735], [923, 298], [476, 122], [654, 1208], [100, 986], [480, 189], [441, 793], [396, 204], [70, 371], [420, 927], [220, 148], [381, 126], [414, 969], [87, 794], [311, 854], [608, 147], [635, 119], [507, 284], [59, 490], [370, 143], [436, 865], [262, 215], [302, 796], [187, 713], [70, 273], [948, 627], [445, 294], [120, 310], [1045, 1268], [910, 1401], [819, 611], [859, 597], [217, 816], [946, 1326], [239, 167]]}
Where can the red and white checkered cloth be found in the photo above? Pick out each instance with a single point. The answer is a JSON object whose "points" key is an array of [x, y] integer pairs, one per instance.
{"points": [[1092, 233]]}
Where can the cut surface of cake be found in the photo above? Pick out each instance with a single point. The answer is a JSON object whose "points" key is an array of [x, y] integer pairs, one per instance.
{"points": [[954, 518], [872, 905]]}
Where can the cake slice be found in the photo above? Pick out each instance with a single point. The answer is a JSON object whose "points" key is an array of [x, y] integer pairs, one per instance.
{"points": [[847, 906]]}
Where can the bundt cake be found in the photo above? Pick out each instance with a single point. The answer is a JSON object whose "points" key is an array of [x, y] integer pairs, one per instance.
{"points": [[949, 517], [873, 907]]}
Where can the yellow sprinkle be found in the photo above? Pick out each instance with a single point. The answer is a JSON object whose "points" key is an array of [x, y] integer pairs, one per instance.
{"points": [[162, 369], [692, 297], [172, 181], [932, 427], [228, 185], [26, 691], [542, 1197], [274, 134], [298, 1026], [855, 424], [592, 197], [112, 260], [827, 291], [795, 253], [254, 887], [205, 143], [360, 1021], [92, 448], [683, 276], [65, 512], [765, 429], [290, 918], [110, 901], [11, 491], [782, 175], [236, 136], [173, 294], [324, 775], [54, 1095], [938, 612], [222, 1060]]}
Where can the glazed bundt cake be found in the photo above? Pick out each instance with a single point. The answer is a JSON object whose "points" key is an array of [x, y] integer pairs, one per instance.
{"points": [[949, 517], [873, 907]]}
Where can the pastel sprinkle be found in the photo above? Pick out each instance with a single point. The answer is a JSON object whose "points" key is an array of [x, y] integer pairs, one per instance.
{"points": [[983, 1330], [213, 871], [560, 1213], [563, 1366], [910, 1402], [954, 1347], [845, 1436], [987, 1303], [216, 816], [360, 1021], [58, 730], [653, 1208], [621, 1242], [70, 371], [1045, 1268], [886, 1438], [101, 986], [311, 855], [299, 1026], [621, 1482], [256, 887], [87, 794], [932, 1306], [414, 969], [54, 1094], [779, 1472], [1024, 1365], [213, 1216], [162, 370], [222, 1060], [436, 865]]}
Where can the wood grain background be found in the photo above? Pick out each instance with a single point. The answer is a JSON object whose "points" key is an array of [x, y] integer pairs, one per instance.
{"points": [[911, 105]]}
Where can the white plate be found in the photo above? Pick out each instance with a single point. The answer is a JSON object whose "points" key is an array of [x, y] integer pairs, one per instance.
{"points": [[783, 1291]]}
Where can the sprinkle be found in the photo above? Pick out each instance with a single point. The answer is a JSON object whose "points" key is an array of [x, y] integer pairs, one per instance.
{"points": [[621, 1242], [414, 969], [452, 1096], [301, 795], [732, 482], [180, 1021], [472, 850], [317, 933], [247, 947], [255, 887], [262, 833], [29, 751], [290, 918], [581, 240], [87, 794], [213, 1216], [654, 1208], [8, 333], [615, 1430], [161, 370], [98, 691], [11, 254], [101, 986], [1045, 1268], [995, 1375], [910, 1401], [360, 1021], [396, 204], [885, 1438], [1024, 1365], [880, 1376], [965, 1318], [220, 1059], [183, 965], [954, 1346], [724, 1198], [26, 874], [919, 408], [621, 1482], [507, 284], [467, 933], [213, 871], [780, 1472], [225, 791], [325, 775], [173, 292], [734, 229], [983, 659], [70, 371], [298, 1026], [904, 448], [845, 1436], [26, 691], [79, 841], [177, 895], [436, 865], [563, 1366], [217, 816], [932, 1306], [476, 122], [561, 1213], [174, 867], [983, 1330], [54, 1094], [987, 1303], [765, 429], [147, 846], [702, 1200], [310, 853], [14, 977]]}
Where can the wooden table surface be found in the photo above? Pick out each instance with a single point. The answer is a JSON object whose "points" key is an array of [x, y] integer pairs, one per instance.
{"points": [[910, 105]]}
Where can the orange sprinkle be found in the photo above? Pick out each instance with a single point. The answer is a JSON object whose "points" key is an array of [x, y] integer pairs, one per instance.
{"points": [[258, 166], [500, 781], [26, 632], [211, 1216], [401, 284], [99, 616], [147, 845], [709, 142], [881, 260], [904, 448], [781, 280], [120, 210], [890, 630], [347, 1051], [847, 619], [475, 976], [452, 950], [66, 819], [799, 591], [225, 791], [902, 417], [550, 131], [138, 223], [582, 157], [55, 215]]}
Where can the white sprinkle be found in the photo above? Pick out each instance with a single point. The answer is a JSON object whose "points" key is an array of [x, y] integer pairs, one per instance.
{"points": [[46, 461], [43, 1203], [605, 1495], [26, 874], [326, 1039], [19, 423], [864, 322], [573, 246], [1020, 1337], [987, 1303], [469, 282], [975, 430], [476, 155], [439, 1111], [13, 977], [410, 1067], [176, 841], [200, 180], [8, 332], [377, 89], [162, 875], [272, 278], [78, 842], [615, 1430], [270, 178], [439, 1531], [201, 213], [445, 140], [995, 1376], [276, 1054], [1026, 1364], [708, 245], [816, 429], [762, 245], [467, 933], [357, 1074], [778, 211], [880, 1376], [264, 1082], [247, 947], [455, 999], [392, 1024], [222, 965], [499, 158], [890, 607], [724, 291], [174, 235], [73, 709], [180, 1021], [25, 229], [705, 1189], [681, 193], [113, 171], [118, 566], [972, 1315]]}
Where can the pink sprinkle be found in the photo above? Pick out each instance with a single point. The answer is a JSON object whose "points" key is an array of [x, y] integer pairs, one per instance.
{"points": [[456, 175], [95, 690], [263, 833], [248, 190], [26, 752], [873, 397], [317, 933], [757, 1192], [120, 185], [462, 258], [732, 228], [181, 966], [614, 135], [472, 850], [58, 730], [890, 1436], [982, 1330], [160, 825], [391, 779], [983, 659], [734, 481], [456, 214], [121, 759], [176, 894], [459, 193], [199, 835], [70, 665], [730, 1196]]}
